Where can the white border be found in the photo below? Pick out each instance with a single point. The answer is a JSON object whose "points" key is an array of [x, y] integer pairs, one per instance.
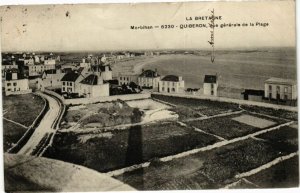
{"points": [[30, 2]]}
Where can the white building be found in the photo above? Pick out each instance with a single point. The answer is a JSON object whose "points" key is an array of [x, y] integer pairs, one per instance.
{"points": [[14, 84], [38, 69], [51, 79], [126, 79], [278, 88], [5, 66], [70, 82], [171, 84], [210, 85], [106, 71], [93, 86], [85, 64], [149, 79], [28, 61], [50, 61]]}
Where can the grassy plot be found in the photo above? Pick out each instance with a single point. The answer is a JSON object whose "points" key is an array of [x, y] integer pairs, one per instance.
{"points": [[282, 175], [117, 149], [11, 134], [102, 115], [229, 128], [22, 108], [206, 107], [273, 112], [210, 169]]}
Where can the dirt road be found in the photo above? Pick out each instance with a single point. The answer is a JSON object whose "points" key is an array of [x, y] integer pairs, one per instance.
{"points": [[45, 127]]}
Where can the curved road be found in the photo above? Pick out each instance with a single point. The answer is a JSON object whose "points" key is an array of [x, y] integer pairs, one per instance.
{"points": [[45, 127]]}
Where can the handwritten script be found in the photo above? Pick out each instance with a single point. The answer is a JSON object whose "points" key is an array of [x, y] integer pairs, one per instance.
{"points": [[212, 35]]}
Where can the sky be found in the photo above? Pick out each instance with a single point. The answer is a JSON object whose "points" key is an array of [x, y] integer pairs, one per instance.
{"points": [[101, 27]]}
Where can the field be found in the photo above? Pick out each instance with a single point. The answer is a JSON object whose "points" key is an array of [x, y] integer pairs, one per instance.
{"points": [[204, 170], [22, 108], [225, 127], [283, 175], [11, 134], [117, 149], [196, 106], [207, 147], [237, 70], [101, 115]]}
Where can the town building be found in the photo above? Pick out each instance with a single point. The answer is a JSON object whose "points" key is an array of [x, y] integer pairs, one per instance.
{"points": [[253, 95], [50, 79], [171, 84], [105, 71], [29, 60], [70, 82], [124, 79], [210, 85], [281, 89], [38, 69], [15, 84], [149, 79], [85, 63], [6, 66], [93, 86]]}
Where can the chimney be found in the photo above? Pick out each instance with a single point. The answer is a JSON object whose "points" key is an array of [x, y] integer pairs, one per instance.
{"points": [[106, 68], [100, 79], [14, 76]]}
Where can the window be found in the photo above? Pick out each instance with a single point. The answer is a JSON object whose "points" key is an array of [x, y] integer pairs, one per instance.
{"points": [[127, 78], [63, 89], [8, 89], [70, 83], [285, 89], [173, 83], [270, 87], [64, 83], [173, 89], [15, 84], [212, 92], [212, 86], [8, 84], [162, 89], [277, 89]]}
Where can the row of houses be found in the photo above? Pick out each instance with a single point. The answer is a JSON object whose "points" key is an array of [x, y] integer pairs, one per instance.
{"points": [[150, 79], [92, 78], [278, 89]]}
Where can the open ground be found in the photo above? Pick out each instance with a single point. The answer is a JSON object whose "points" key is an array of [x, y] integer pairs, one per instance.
{"points": [[208, 144]]}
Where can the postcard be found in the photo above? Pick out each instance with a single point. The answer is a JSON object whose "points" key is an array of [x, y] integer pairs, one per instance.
{"points": [[149, 96]]}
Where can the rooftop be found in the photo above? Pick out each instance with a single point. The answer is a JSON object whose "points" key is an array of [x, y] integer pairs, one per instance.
{"points": [[281, 81], [70, 77], [149, 74], [171, 78], [210, 79], [90, 80]]}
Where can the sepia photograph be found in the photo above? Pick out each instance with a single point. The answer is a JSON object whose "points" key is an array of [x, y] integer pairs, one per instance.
{"points": [[149, 96]]}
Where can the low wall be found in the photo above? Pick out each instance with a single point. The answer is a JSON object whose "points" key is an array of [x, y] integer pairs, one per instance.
{"points": [[106, 99], [23, 140], [229, 100], [18, 92], [50, 92]]}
